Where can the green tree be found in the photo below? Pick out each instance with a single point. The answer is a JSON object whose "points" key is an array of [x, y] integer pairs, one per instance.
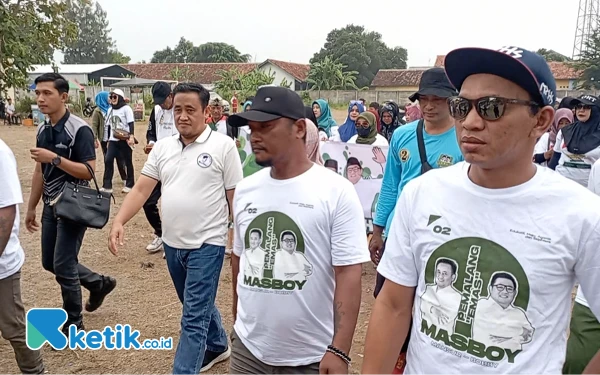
{"points": [[329, 74], [186, 52], [181, 74], [361, 51], [30, 31], [589, 63], [241, 84], [552, 55], [93, 44]]}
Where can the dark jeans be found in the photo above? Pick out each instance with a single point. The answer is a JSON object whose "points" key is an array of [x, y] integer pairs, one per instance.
{"points": [[151, 210], [61, 242], [120, 162], [12, 325], [195, 274], [114, 150], [378, 285]]}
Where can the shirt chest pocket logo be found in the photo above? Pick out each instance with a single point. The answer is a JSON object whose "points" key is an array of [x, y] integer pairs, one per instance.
{"points": [[204, 160]]}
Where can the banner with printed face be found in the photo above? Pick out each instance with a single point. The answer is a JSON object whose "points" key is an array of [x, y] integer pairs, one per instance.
{"points": [[363, 165]]}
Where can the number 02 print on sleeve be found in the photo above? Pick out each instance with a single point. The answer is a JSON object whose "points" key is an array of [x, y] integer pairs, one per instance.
{"points": [[274, 254], [475, 301]]}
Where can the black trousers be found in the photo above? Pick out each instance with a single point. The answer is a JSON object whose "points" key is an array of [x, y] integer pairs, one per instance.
{"points": [[61, 242], [120, 162], [114, 150], [151, 210], [378, 285]]}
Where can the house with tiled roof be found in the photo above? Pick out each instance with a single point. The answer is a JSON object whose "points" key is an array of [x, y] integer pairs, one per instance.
{"points": [[292, 73], [397, 79], [207, 74], [565, 75]]}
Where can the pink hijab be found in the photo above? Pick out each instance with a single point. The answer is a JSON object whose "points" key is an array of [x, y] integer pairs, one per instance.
{"points": [[414, 112], [313, 144], [559, 115]]}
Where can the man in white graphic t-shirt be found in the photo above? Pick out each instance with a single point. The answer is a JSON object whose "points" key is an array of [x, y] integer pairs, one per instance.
{"points": [[254, 255], [440, 302], [162, 125], [517, 276], [497, 321], [299, 314]]}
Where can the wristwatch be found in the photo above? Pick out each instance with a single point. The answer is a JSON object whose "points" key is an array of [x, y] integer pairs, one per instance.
{"points": [[56, 161]]}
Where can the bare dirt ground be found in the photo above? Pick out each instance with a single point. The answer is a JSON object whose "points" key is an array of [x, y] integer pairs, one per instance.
{"points": [[144, 297]]}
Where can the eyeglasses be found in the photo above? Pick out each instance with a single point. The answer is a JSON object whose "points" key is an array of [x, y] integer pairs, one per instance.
{"points": [[502, 288], [489, 108], [583, 106], [289, 240], [113, 97]]}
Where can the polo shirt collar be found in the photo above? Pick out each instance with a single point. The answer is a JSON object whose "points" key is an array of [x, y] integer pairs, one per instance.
{"points": [[60, 125]]}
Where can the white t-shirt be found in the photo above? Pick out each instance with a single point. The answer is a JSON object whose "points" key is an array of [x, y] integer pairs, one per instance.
{"points": [[515, 275], [380, 140], [335, 134], [13, 257], [289, 236], [542, 146], [575, 167], [119, 119], [194, 180], [164, 120], [10, 109]]}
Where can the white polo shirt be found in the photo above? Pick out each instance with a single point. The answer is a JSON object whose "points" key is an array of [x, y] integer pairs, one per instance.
{"points": [[194, 179]]}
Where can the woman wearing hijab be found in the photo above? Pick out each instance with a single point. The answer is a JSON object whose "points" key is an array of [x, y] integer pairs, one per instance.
{"points": [[325, 121], [313, 143], [413, 113], [544, 149], [366, 129], [101, 134], [577, 145], [390, 119], [119, 122], [348, 129], [247, 105]]}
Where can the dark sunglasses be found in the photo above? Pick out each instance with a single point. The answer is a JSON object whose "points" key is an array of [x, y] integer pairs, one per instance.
{"points": [[583, 106], [490, 108], [113, 97]]}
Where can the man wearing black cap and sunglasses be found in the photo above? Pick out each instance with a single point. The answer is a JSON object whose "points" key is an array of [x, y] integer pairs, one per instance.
{"points": [[162, 125], [312, 246], [515, 276]]}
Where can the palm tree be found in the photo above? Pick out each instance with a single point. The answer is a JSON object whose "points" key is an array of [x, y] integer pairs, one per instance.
{"points": [[329, 74]]}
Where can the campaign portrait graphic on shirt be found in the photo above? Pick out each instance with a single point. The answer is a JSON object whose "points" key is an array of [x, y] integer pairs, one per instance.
{"points": [[274, 254], [476, 300]]}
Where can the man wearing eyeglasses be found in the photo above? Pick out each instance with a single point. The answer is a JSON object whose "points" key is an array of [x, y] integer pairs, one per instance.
{"points": [[485, 214]]}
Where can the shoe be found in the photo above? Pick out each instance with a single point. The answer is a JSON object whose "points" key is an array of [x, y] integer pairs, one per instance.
{"points": [[104, 190], [65, 328], [212, 358], [126, 190], [97, 298], [155, 246]]}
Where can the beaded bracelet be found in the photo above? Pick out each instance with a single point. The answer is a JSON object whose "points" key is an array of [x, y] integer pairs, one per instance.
{"points": [[333, 350]]}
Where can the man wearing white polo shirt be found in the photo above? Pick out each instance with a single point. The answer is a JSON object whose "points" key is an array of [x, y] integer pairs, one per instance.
{"points": [[198, 171]]}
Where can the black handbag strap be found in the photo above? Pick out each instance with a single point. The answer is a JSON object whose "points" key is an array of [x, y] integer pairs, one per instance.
{"points": [[89, 168], [425, 166]]}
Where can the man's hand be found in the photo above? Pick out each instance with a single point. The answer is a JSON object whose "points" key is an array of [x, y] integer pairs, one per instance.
{"points": [[30, 223], [548, 154], [131, 141], [115, 238], [148, 148], [440, 315], [96, 143], [332, 364], [375, 246], [41, 155]]}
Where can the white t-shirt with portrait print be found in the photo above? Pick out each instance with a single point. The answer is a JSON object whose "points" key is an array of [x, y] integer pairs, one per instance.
{"points": [[515, 276], [12, 257], [289, 238], [572, 166], [119, 119]]}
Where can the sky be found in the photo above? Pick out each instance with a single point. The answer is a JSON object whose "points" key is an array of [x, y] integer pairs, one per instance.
{"points": [[293, 30]]}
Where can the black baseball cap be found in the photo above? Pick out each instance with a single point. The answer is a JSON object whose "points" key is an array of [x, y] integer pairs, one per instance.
{"points": [[271, 103], [434, 82], [160, 92], [586, 100], [525, 68]]}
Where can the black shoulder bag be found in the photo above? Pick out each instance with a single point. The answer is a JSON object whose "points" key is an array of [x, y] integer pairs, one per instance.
{"points": [[425, 166], [83, 204]]}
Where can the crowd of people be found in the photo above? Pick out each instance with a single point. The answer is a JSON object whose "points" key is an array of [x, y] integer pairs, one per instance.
{"points": [[486, 220]]}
